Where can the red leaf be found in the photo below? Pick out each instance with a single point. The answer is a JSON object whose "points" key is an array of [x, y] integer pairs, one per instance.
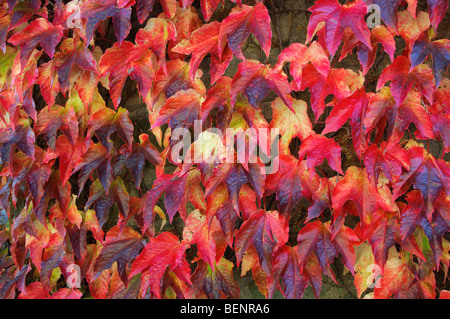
{"points": [[121, 61], [92, 12], [402, 80], [291, 123], [389, 159], [219, 97], [135, 160], [73, 52], [428, 175], [299, 56], [102, 202], [234, 175], [22, 137], [440, 52], [285, 183], [186, 21], [168, 83], [400, 116], [66, 293], [315, 236], [211, 243], [39, 31], [202, 41], [46, 80], [238, 25], [208, 8], [121, 247], [52, 119], [317, 148], [437, 10], [381, 232], [164, 250], [356, 187], [96, 157], [388, 10], [287, 270], [267, 232], [220, 207], [181, 110], [337, 18], [256, 80], [35, 290], [105, 122], [341, 83], [68, 155], [143, 8], [354, 108], [174, 187], [156, 35], [366, 55], [215, 284]]}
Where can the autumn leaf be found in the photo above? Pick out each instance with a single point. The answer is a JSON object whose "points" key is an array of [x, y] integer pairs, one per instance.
{"points": [[92, 12], [366, 55], [73, 52], [125, 60], [143, 8], [52, 119], [156, 35], [181, 110], [411, 27], [215, 284], [354, 108], [381, 231], [402, 79], [240, 23], [21, 137], [256, 80], [291, 123], [134, 160], [218, 97], [68, 155], [105, 122], [316, 237], [173, 185], [337, 18], [427, 174], [164, 250], [317, 148], [267, 232], [389, 8], [287, 271], [440, 52], [437, 10], [121, 247], [95, 158], [40, 31], [167, 83], [208, 237], [389, 159], [234, 175], [299, 55], [396, 276], [285, 183], [341, 83], [203, 41], [220, 208], [208, 8], [356, 187], [411, 110]]}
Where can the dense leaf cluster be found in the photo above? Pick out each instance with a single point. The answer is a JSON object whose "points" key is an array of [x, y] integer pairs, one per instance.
{"points": [[78, 218]]}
